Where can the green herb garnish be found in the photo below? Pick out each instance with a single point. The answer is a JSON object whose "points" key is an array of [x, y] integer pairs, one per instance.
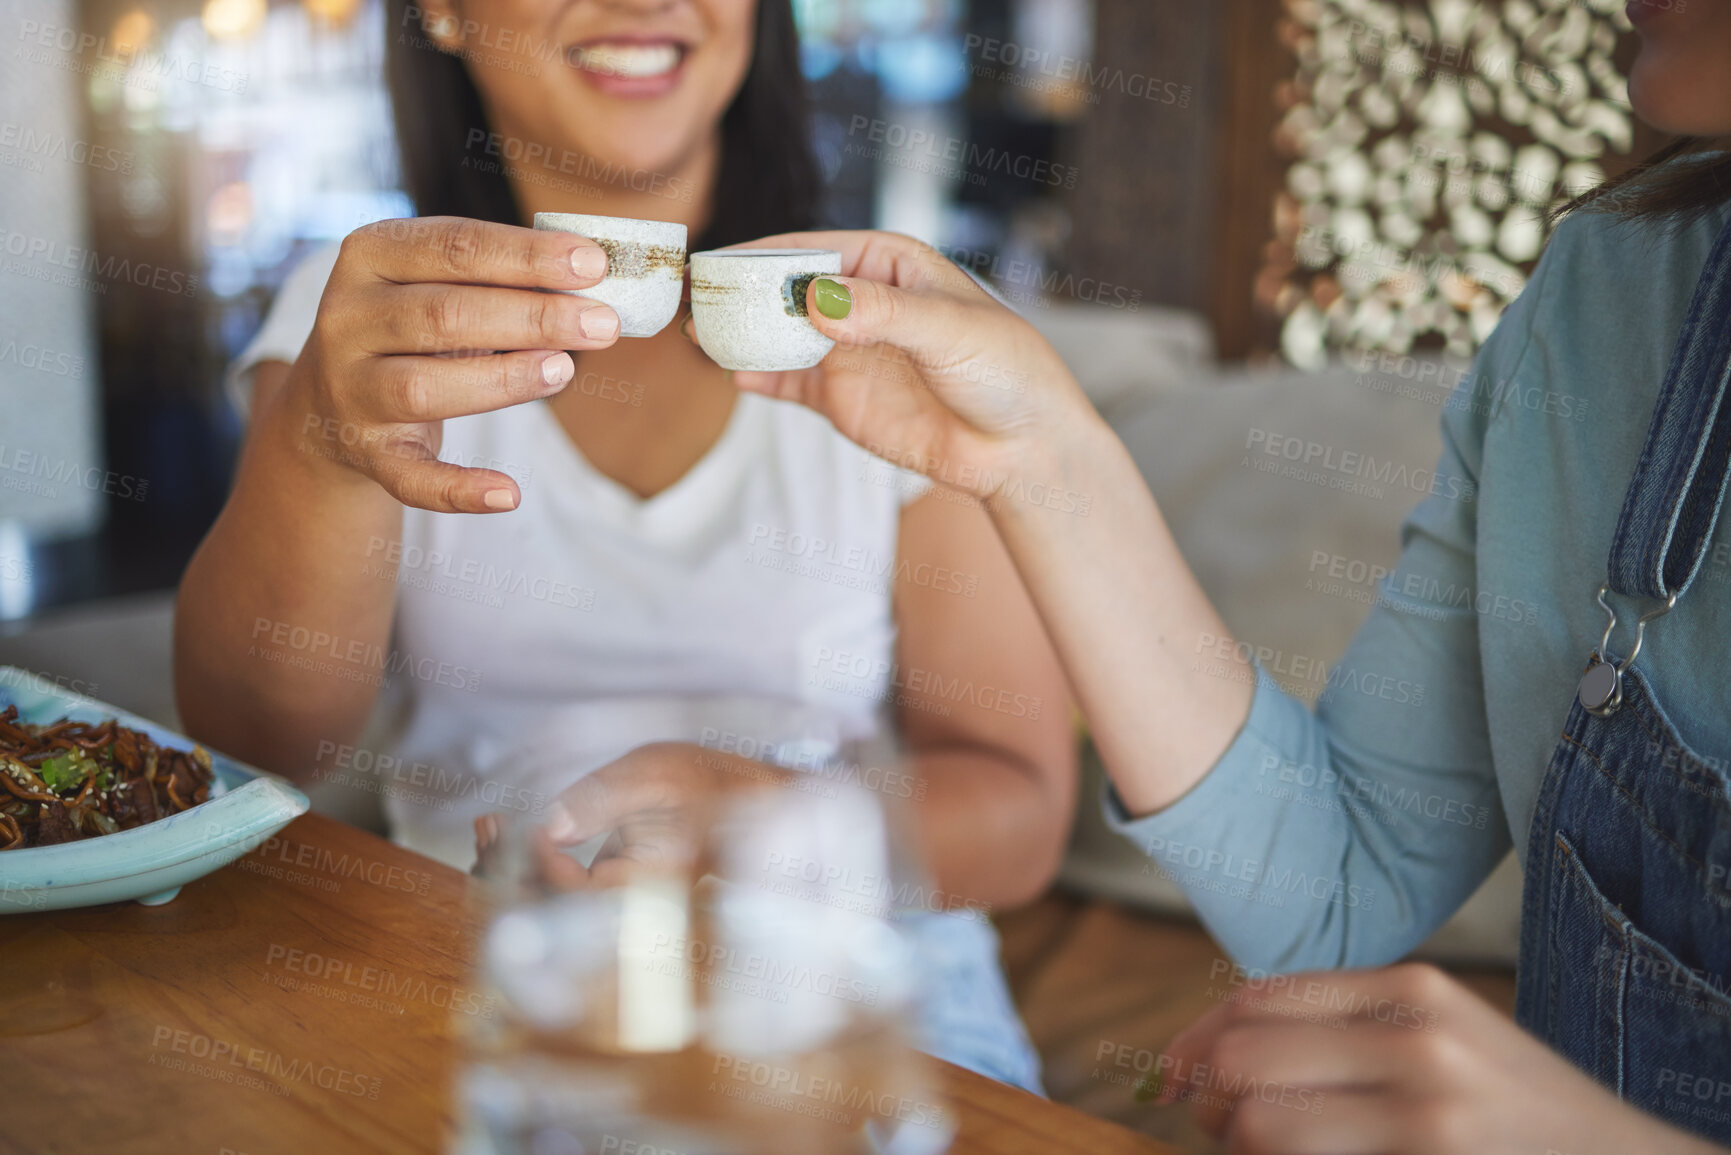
{"points": [[70, 770]]}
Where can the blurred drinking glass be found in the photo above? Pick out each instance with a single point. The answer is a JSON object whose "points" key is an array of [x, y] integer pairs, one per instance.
{"points": [[751, 990]]}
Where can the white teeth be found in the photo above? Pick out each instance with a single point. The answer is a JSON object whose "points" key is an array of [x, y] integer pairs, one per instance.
{"points": [[633, 61]]}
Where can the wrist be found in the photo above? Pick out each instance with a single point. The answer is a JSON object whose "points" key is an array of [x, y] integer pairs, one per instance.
{"points": [[1065, 467], [301, 440]]}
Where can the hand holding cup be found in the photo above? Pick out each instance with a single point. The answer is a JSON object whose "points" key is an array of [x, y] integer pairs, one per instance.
{"points": [[429, 318], [929, 369]]}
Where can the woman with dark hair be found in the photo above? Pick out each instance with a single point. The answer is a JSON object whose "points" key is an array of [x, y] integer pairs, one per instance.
{"points": [[765, 178], [578, 556], [1584, 472]]}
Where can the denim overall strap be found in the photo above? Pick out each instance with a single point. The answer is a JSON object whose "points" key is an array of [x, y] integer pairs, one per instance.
{"points": [[1673, 499], [1625, 964]]}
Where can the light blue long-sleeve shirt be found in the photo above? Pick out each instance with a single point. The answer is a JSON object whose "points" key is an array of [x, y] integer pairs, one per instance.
{"points": [[1344, 837]]}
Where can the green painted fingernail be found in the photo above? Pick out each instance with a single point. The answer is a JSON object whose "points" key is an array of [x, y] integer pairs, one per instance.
{"points": [[833, 299]]}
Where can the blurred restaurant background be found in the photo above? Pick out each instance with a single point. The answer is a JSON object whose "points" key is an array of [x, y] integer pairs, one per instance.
{"points": [[1309, 177]]}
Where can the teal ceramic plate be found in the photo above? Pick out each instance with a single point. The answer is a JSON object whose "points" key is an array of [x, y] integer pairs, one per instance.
{"points": [[147, 863]]}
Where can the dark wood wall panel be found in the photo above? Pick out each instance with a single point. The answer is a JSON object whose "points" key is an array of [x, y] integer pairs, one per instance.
{"points": [[1146, 188], [1248, 174]]}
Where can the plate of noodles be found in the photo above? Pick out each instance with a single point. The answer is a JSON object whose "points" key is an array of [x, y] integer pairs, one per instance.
{"points": [[99, 805]]}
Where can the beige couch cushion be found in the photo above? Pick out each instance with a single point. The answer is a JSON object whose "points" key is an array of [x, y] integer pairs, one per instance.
{"points": [[1123, 359]]}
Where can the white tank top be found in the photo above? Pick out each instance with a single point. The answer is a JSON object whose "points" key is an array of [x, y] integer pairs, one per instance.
{"points": [[747, 606]]}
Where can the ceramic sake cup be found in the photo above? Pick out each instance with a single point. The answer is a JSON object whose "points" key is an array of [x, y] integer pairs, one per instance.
{"points": [[748, 307], [645, 267]]}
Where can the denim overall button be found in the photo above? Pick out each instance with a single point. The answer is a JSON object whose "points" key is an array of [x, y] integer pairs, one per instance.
{"points": [[1601, 688]]}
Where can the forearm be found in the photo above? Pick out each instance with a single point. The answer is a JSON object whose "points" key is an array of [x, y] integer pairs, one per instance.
{"points": [[984, 826], [285, 611], [1126, 615]]}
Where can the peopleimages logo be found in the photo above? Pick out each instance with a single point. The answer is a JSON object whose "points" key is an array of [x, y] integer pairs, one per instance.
{"points": [[53, 146], [133, 60], [822, 767], [1014, 276], [964, 158], [357, 660], [1334, 1004], [1447, 62], [1380, 797], [1392, 258], [1197, 1083], [530, 155], [711, 961], [1686, 1085], [877, 570], [1259, 880], [844, 666], [1346, 469], [511, 41], [30, 472], [439, 784], [378, 981], [439, 572], [44, 360], [1025, 67], [863, 892], [87, 261], [227, 1059], [803, 1092]]}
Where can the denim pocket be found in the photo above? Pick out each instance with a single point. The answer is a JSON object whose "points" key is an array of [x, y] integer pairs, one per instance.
{"points": [[1589, 961], [1635, 1017], [1677, 1040]]}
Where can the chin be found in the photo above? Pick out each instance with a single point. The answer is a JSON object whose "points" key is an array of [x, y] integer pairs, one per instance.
{"points": [[1679, 82], [657, 141], [637, 159]]}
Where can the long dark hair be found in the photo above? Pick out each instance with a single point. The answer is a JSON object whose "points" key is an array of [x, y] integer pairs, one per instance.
{"points": [[1681, 182], [768, 180]]}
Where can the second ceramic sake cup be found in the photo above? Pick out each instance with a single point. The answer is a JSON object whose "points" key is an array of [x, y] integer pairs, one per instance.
{"points": [[645, 267], [748, 307]]}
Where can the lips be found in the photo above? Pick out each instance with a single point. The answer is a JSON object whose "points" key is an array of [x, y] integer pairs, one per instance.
{"points": [[628, 60]]}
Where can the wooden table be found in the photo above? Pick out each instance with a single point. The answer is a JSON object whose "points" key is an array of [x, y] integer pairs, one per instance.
{"points": [[191, 1027]]}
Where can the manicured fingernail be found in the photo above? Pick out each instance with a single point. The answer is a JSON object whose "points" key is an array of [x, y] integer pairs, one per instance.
{"points": [[500, 499], [560, 824], [558, 369], [589, 262], [833, 299], [600, 324]]}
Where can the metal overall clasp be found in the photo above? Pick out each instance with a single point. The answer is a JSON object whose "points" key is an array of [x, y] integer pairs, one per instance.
{"points": [[1601, 689]]}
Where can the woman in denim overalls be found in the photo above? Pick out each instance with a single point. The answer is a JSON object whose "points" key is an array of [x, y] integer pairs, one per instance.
{"points": [[1589, 728]]}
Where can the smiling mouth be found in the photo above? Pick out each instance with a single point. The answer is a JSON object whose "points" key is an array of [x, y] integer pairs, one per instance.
{"points": [[628, 61]]}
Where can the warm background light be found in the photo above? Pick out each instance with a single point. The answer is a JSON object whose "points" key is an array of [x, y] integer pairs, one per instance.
{"points": [[333, 12], [132, 32], [233, 19], [229, 213]]}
